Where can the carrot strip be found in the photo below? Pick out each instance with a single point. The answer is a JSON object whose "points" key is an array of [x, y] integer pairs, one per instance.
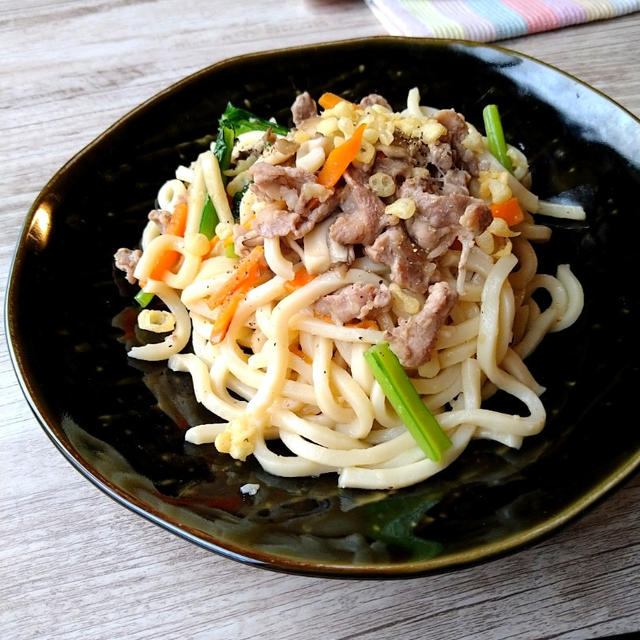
{"points": [[165, 262], [329, 100], [178, 221], [509, 211], [340, 158], [225, 316], [230, 304], [246, 275], [176, 227], [301, 278]]}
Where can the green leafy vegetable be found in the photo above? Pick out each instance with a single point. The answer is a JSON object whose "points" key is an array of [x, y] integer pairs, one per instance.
{"points": [[143, 298], [495, 136], [223, 148], [404, 398], [242, 121], [209, 219], [395, 520]]}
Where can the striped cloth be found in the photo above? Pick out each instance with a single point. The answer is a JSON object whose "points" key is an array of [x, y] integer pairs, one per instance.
{"points": [[488, 20]]}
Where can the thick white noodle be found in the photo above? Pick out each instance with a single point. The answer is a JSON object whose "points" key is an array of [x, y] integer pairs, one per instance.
{"points": [[276, 261], [215, 187], [177, 340], [197, 196], [558, 210], [575, 294]]}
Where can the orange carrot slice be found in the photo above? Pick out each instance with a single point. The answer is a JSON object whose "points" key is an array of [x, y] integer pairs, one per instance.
{"points": [[176, 227], [509, 211], [299, 280], [165, 262], [178, 221], [329, 100], [340, 158], [225, 316]]}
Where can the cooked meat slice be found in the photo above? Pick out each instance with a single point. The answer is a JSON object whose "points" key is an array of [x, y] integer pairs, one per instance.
{"points": [[277, 182], [414, 337], [303, 107], [409, 264], [245, 239], [476, 217], [272, 221], [455, 125], [364, 217], [161, 218], [395, 167], [437, 155], [457, 131], [456, 181], [126, 260], [356, 300], [440, 218], [374, 98], [305, 201], [311, 215]]}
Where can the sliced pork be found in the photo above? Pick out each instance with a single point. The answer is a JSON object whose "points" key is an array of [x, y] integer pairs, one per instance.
{"points": [[277, 182], [363, 213], [439, 219], [455, 181], [272, 221], [355, 301], [457, 131], [436, 155], [161, 218], [374, 98], [395, 167], [295, 201], [414, 337], [409, 264], [126, 260], [303, 108]]}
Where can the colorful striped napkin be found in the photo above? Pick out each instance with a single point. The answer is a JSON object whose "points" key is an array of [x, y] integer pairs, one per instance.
{"points": [[488, 20]]}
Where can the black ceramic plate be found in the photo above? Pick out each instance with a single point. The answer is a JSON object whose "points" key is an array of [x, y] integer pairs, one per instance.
{"points": [[121, 423]]}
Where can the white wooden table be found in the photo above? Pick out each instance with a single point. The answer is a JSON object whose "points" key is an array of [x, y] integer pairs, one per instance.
{"points": [[73, 563]]}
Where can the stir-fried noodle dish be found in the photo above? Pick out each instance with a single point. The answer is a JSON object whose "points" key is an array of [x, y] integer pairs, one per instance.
{"points": [[354, 288]]}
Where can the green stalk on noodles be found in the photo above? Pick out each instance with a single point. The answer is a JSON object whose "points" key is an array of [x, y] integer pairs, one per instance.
{"points": [[404, 398]]}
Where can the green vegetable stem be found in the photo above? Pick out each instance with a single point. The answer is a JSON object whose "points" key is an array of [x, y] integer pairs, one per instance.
{"points": [[143, 298], [404, 398], [495, 136]]}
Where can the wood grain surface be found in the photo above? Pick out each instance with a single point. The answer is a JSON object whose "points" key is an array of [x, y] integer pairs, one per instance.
{"points": [[73, 563]]}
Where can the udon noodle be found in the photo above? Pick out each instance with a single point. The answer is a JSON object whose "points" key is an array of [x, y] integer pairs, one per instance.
{"points": [[284, 364]]}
